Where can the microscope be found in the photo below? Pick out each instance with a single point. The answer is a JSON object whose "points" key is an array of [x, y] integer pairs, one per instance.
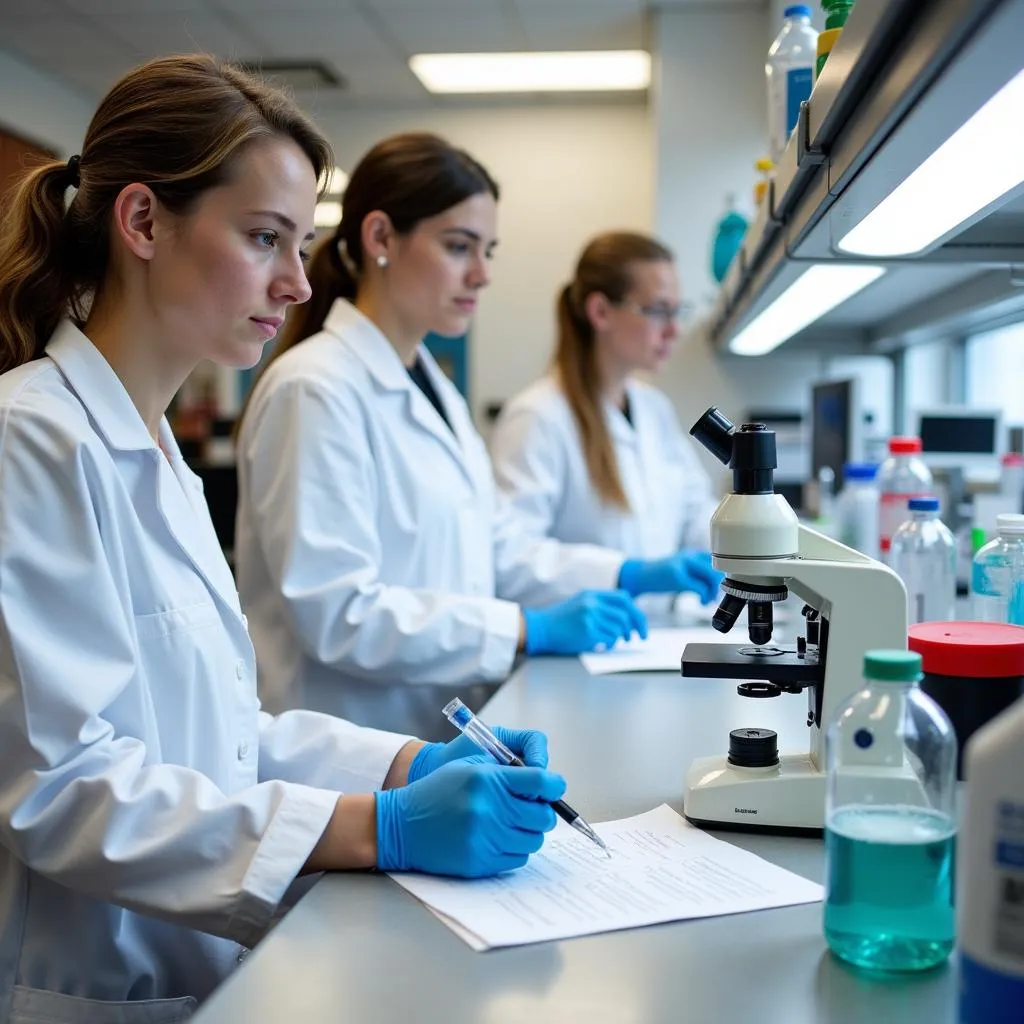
{"points": [[852, 604]]}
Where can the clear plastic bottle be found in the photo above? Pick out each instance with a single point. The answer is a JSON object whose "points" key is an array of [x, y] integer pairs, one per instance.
{"points": [[902, 476], [890, 823], [923, 555], [789, 71], [990, 882], [857, 508], [997, 574]]}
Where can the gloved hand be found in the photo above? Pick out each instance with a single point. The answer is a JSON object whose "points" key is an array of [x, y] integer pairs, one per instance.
{"points": [[529, 744], [471, 818], [687, 570], [581, 623]]}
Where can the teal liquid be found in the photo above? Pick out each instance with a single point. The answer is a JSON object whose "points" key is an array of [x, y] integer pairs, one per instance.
{"points": [[889, 885]]}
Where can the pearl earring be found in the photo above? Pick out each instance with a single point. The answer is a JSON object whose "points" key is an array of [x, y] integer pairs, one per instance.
{"points": [[382, 261]]}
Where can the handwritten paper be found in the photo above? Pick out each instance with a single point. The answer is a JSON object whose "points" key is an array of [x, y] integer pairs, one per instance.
{"points": [[662, 869]]}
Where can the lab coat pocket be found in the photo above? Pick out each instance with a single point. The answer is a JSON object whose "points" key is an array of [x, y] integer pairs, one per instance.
{"points": [[189, 617], [37, 1006]]}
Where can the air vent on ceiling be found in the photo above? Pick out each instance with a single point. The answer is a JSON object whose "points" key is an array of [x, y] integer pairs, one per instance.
{"points": [[296, 74]]}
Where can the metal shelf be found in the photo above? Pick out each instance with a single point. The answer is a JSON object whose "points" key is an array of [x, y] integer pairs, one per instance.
{"points": [[902, 77]]}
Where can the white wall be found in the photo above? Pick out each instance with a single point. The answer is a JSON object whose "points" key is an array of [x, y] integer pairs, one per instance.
{"points": [[566, 172], [41, 109]]}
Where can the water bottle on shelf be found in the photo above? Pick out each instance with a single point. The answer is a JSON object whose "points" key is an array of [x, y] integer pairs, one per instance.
{"points": [[890, 823], [997, 574], [903, 475], [923, 555], [857, 508], [789, 72]]}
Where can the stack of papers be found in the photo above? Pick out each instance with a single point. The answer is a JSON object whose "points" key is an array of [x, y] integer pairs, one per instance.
{"points": [[661, 869], [662, 651]]}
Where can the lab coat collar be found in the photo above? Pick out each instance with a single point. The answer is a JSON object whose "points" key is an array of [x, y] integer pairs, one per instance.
{"points": [[93, 379], [181, 500], [368, 343]]}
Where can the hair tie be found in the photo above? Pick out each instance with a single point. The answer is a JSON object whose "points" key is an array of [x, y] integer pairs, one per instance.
{"points": [[74, 166]]}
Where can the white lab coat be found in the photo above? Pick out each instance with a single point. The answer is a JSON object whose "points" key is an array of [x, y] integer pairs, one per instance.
{"points": [[378, 569], [539, 464], [151, 816]]}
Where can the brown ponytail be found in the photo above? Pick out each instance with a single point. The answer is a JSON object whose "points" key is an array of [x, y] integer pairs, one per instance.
{"points": [[604, 267], [37, 284], [176, 125]]}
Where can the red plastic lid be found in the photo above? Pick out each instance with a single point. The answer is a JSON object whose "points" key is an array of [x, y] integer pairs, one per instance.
{"points": [[1012, 459], [987, 650], [904, 445]]}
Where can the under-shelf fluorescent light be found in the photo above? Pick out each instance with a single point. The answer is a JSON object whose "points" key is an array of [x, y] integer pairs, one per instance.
{"points": [[817, 291], [571, 71], [980, 162]]}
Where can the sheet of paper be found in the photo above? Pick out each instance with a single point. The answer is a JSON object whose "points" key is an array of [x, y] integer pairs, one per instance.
{"points": [[660, 652], [661, 869]]}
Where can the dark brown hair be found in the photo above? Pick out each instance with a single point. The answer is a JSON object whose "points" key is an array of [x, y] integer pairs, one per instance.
{"points": [[176, 125], [605, 266]]}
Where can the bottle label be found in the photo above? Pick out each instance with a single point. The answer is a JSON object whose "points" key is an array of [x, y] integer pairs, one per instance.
{"points": [[892, 511], [1008, 938], [798, 88]]}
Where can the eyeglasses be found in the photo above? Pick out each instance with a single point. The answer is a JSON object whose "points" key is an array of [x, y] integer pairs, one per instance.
{"points": [[660, 313]]}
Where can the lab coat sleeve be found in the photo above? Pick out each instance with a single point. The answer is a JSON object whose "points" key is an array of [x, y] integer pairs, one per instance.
{"points": [[312, 492], [326, 752], [80, 802], [529, 467]]}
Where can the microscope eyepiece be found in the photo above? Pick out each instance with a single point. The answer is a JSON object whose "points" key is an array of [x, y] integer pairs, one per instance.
{"points": [[714, 431], [749, 452]]}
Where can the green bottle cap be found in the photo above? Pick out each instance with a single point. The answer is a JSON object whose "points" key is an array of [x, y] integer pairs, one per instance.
{"points": [[978, 539], [892, 666]]}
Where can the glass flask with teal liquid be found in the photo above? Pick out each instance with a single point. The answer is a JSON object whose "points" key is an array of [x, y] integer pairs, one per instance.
{"points": [[890, 822]]}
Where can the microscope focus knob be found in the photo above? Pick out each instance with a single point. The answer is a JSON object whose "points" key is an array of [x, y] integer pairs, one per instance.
{"points": [[753, 748]]}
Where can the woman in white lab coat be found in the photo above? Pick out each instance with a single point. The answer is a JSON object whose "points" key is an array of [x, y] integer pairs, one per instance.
{"points": [[590, 454], [152, 818], [380, 572]]}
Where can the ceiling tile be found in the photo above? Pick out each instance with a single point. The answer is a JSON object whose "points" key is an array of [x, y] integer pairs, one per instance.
{"points": [[610, 31], [367, 80], [133, 7], [326, 34], [152, 35], [50, 42], [281, 8], [425, 32]]}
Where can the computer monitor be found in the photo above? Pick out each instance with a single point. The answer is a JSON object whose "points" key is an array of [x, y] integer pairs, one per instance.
{"points": [[961, 437], [836, 422]]}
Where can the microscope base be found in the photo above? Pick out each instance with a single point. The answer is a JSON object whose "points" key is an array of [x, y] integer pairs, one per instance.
{"points": [[789, 796]]}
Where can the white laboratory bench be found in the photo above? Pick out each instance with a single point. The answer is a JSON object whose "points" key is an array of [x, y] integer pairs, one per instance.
{"points": [[359, 948]]}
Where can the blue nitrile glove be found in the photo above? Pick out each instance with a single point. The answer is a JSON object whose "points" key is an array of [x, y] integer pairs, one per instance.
{"points": [[471, 818], [688, 570], [529, 744], [583, 622]]}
